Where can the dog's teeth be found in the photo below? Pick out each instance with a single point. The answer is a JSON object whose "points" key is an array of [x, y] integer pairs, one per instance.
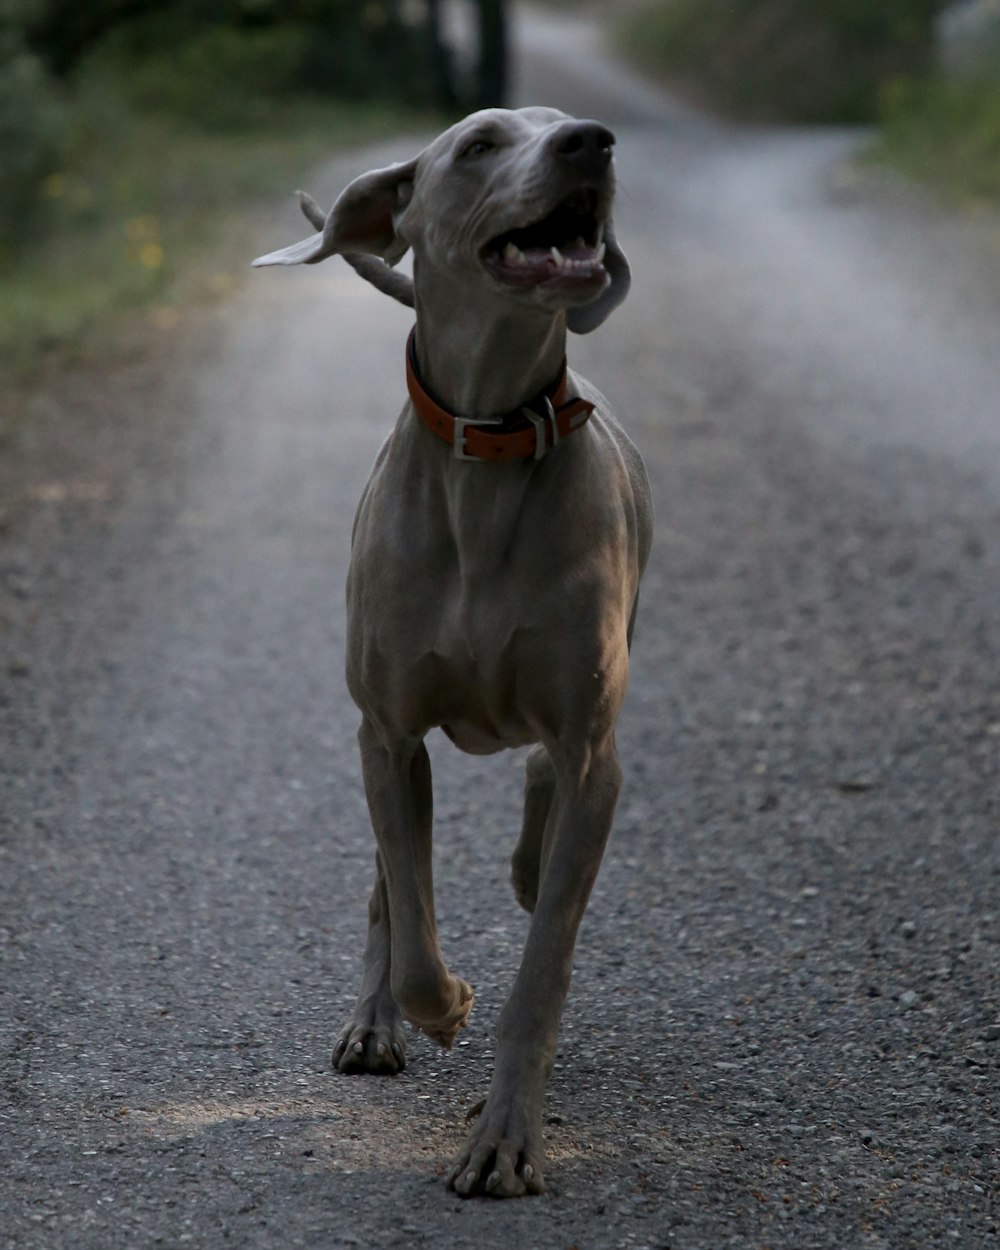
{"points": [[558, 257], [513, 255], [581, 243], [601, 249]]}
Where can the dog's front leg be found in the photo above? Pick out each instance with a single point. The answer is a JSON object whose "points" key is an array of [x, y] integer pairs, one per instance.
{"points": [[503, 1155], [373, 1040], [398, 785]]}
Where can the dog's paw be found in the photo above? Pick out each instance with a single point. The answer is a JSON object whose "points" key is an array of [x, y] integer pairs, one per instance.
{"points": [[442, 1021], [368, 1045], [501, 1159]]}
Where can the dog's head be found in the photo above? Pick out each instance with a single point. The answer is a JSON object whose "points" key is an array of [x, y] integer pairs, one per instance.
{"points": [[514, 204]]}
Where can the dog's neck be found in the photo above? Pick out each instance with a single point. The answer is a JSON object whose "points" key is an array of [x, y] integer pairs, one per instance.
{"points": [[481, 361]]}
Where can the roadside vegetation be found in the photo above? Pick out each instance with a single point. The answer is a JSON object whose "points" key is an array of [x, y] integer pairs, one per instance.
{"points": [[947, 134], [780, 60], [143, 211], [134, 134], [833, 61]]}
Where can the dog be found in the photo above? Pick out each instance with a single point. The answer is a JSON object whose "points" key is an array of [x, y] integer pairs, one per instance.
{"points": [[495, 566]]}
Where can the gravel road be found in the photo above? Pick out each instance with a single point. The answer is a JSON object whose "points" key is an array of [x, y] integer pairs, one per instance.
{"points": [[784, 1028]]}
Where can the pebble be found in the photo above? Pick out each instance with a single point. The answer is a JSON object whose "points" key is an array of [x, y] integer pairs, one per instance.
{"points": [[908, 929], [908, 999]]}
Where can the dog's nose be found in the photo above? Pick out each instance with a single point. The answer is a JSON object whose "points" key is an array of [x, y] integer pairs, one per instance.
{"points": [[585, 144]]}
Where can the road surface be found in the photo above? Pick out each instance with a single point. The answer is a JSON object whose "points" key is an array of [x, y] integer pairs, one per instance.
{"points": [[783, 1028]]}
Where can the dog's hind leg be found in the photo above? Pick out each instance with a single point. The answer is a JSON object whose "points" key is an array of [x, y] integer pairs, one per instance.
{"points": [[374, 1040], [526, 862]]}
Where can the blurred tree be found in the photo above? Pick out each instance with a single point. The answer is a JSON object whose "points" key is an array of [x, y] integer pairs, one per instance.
{"points": [[32, 120], [219, 63], [353, 48], [890, 22], [491, 85], [440, 58], [62, 30]]}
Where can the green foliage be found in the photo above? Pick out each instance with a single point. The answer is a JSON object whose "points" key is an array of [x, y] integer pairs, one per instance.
{"points": [[226, 61], [887, 24], [219, 76], [131, 129], [832, 61], [947, 133], [150, 215], [217, 64], [781, 59], [32, 118], [63, 31]]}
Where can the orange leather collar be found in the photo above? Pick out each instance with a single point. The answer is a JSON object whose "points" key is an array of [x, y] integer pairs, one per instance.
{"points": [[527, 433]]}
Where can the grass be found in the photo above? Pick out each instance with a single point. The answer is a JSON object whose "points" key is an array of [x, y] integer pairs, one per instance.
{"points": [[946, 134], [148, 210], [779, 60], [747, 60]]}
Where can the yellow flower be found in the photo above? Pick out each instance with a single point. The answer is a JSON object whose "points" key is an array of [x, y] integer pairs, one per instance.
{"points": [[152, 255], [141, 228]]}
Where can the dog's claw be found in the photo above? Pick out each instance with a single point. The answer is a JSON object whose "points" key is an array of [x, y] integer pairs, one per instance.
{"points": [[500, 1159], [371, 1044]]}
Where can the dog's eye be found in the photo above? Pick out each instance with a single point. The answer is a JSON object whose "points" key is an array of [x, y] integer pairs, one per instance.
{"points": [[478, 147]]}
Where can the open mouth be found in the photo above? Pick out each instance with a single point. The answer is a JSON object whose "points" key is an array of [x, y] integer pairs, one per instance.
{"points": [[564, 248]]}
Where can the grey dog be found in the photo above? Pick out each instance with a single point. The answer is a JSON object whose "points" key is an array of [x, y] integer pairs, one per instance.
{"points": [[494, 576]]}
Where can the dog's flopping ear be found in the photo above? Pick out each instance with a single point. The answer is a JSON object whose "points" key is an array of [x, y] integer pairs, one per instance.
{"points": [[362, 220], [371, 268], [589, 316]]}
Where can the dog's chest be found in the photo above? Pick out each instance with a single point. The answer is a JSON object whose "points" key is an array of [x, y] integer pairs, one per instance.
{"points": [[456, 661], [445, 604]]}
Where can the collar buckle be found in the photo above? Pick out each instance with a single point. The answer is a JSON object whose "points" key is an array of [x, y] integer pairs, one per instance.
{"points": [[497, 442], [543, 422], [461, 424]]}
